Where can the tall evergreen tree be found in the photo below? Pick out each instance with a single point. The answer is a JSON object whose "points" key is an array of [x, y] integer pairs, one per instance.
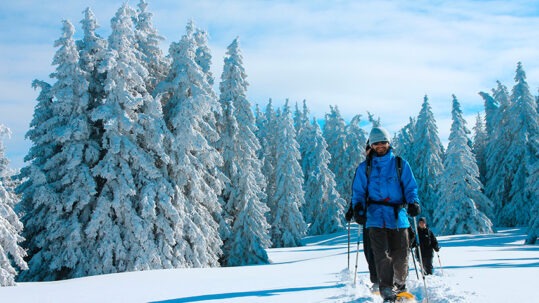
{"points": [[479, 147], [11, 252], [461, 197], [356, 141], [189, 109], [147, 42], [428, 158], [533, 185], [335, 135], [133, 219], [35, 189], [92, 51], [203, 54], [324, 206], [267, 124], [63, 254], [523, 126], [404, 142], [244, 193], [58, 246], [498, 177], [287, 223]]}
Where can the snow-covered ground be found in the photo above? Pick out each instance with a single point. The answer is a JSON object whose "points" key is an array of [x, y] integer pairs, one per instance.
{"points": [[476, 268]]}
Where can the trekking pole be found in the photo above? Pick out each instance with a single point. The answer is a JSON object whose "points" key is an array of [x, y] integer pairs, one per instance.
{"points": [[415, 265], [348, 245], [439, 261], [421, 260], [357, 252]]}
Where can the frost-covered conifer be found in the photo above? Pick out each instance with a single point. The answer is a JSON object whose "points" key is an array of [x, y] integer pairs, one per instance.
{"points": [[56, 217], [244, 192], [302, 126], [11, 253], [335, 135], [35, 189], [428, 158], [324, 206], [458, 210], [92, 52], [533, 185], [203, 54], [479, 146], [190, 104], [356, 141], [267, 124], [287, 223], [404, 142], [148, 39], [522, 126], [133, 222], [498, 175]]}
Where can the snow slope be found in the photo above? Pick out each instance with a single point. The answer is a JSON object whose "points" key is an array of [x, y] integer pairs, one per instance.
{"points": [[476, 268]]}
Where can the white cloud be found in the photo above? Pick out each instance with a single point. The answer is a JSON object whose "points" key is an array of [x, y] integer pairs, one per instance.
{"points": [[377, 56]]}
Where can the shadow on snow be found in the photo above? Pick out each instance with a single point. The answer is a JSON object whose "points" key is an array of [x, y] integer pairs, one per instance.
{"points": [[255, 293]]}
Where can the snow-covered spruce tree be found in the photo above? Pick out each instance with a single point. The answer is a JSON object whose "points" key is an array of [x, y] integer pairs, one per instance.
{"points": [[305, 141], [325, 207], [302, 126], [35, 190], [62, 253], [356, 141], [267, 126], [403, 142], [287, 223], [533, 185], [92, 51], [479, 147], [461, 198], [244, 192], [428, 158], [523, 125], [498, 177], [147, 43], [203, 54], [58, 186], [11, 253], [189, 109], [335, 135], [133, 221]]}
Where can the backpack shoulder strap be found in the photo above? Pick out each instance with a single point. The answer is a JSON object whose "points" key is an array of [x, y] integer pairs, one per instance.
{"points": [[399, 174], [399, 167]]}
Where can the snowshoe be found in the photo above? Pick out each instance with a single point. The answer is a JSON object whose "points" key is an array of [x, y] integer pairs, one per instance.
{"points": [[405, 297], [375, 289]]}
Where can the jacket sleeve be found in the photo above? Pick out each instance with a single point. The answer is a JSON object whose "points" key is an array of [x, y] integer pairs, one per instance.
{"points": [[433, 241], [409, 183], [359, 185]]}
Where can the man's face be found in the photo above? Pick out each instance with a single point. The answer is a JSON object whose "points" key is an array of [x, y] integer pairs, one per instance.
{"points": [[422, 224], [380, 148]]}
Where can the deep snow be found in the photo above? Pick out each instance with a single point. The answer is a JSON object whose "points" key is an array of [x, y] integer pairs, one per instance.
{"points": [[476, 268]]}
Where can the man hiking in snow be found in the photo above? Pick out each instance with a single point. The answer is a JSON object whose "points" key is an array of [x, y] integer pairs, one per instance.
{"points": [[381, 201], [427, 243]]}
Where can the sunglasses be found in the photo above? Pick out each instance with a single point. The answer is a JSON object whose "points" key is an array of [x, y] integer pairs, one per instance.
{"points": [[380, 143]]}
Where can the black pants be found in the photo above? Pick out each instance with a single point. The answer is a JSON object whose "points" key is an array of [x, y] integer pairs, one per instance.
{"points": [[369, 255], [390, 249]]}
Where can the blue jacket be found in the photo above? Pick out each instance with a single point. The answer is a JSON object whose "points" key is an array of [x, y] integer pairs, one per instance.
{"points": [[384, 186]]}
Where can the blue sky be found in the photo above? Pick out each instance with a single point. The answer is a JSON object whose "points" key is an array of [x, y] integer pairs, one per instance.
{"points": [[377, 56]]}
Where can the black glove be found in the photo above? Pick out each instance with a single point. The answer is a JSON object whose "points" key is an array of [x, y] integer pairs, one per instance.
{"points": [[349, 213], [437, 249], [359, 214], [414, 209]]}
